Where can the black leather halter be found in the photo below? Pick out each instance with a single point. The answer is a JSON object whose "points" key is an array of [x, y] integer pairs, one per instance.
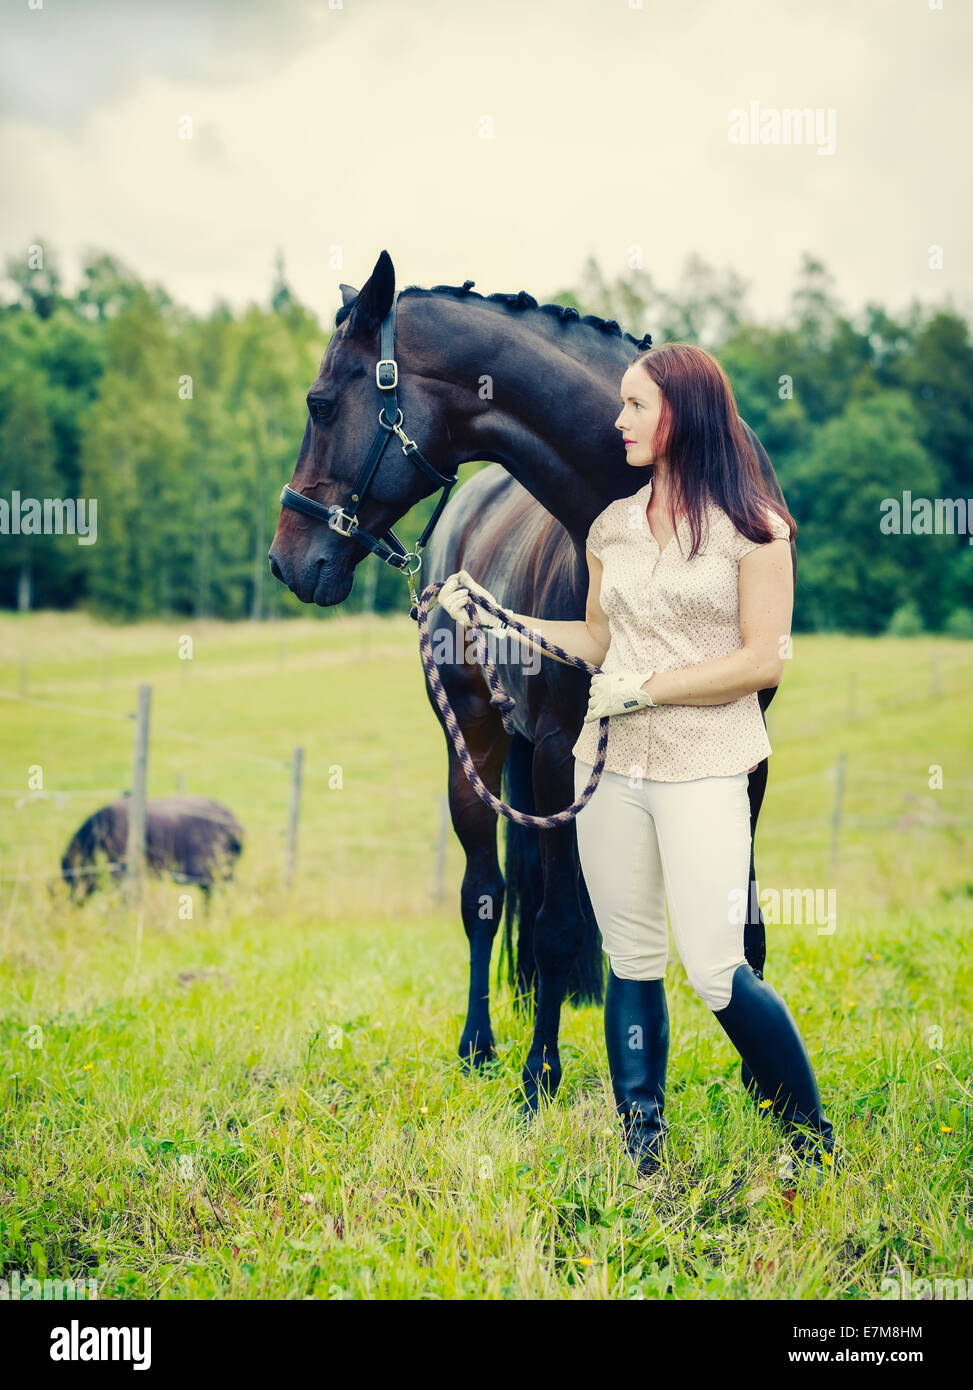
{"points": [[343, 520]]}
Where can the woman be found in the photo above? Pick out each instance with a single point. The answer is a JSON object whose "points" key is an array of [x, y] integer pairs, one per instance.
{"points": [[688, 613]]}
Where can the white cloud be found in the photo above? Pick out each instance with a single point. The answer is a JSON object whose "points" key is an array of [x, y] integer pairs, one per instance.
{"points": [[359, 128]]}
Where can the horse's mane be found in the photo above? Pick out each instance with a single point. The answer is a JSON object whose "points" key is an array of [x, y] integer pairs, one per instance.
{"points": [[518, 303]]}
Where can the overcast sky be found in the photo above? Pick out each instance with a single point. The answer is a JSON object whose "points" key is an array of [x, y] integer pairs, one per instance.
{"points": [[334, 132]]}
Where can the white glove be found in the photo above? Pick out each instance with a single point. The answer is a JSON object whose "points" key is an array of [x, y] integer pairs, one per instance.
{"points": [[458, 589], [618, 692]]}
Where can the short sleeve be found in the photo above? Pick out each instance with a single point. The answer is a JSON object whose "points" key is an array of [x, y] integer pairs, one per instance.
{"points": [[595, 537], [744, 545]]}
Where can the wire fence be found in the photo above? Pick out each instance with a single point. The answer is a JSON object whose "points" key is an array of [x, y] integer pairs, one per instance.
{"points": [[133, 865], [912, 812], [296, 767]]}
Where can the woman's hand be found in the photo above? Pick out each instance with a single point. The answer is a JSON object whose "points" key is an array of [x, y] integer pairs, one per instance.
{"points": [[618, 692], [456, 593]]}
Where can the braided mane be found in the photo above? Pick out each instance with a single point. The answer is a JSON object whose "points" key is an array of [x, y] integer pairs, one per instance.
{"points": [[518, 303]]}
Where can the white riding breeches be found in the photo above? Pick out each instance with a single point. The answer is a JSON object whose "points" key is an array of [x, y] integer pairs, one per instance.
{"points": [[686, 844]]}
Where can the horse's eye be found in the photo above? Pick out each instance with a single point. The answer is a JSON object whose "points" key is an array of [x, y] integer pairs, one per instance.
{"points": [[321, 410]]}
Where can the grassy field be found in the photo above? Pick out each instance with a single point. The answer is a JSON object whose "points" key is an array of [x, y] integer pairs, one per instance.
{"points": [[263, 1100]]}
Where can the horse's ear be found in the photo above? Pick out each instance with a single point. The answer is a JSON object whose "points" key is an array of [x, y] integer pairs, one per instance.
{"points": [[375, 297], [348, 293]]}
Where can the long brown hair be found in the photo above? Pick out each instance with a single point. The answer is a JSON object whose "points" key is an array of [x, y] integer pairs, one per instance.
{"points": [[709, 456]]}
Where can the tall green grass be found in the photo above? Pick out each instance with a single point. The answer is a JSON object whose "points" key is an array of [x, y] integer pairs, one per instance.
{"points": [[263, 1099]]}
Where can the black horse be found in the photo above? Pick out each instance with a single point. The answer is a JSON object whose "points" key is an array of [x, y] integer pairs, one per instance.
{"points": [[533, 389], [192, 839]]}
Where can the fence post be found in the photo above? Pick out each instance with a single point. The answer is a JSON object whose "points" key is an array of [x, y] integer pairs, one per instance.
{"points": [[839, 791], [293, 812], [135, 848], [441, 847]]}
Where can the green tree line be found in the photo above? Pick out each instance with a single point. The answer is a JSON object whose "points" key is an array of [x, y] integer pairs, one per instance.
{"points": [[183, 426]]}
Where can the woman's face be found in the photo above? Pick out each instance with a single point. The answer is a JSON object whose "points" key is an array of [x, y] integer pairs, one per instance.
{"points": [[639, 417]]}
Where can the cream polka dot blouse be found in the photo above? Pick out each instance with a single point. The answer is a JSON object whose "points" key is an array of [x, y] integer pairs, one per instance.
{"points": [[665, 612]]}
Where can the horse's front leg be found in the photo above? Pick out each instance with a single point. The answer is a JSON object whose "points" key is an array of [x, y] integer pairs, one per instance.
{"points": [[481, 895], [560, 924]]}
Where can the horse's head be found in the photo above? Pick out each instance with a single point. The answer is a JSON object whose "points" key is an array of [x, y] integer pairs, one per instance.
{"points": [[344, 404]]}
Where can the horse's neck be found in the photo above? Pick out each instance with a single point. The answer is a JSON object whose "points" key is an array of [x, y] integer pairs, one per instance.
{"points": [[548, 417]]}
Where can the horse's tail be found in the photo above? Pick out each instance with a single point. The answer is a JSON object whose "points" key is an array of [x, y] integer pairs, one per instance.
{"points": [[524, 889], [524, 884]]}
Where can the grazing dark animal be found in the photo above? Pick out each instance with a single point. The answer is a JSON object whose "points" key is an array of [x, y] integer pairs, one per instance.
{"points": [[191, 838], [533, 389]]}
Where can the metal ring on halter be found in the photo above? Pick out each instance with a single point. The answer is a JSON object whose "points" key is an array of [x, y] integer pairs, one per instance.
{"points": [[395, 426]]}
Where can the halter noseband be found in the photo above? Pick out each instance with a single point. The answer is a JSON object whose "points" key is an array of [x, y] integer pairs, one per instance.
{"points": [[388, 548]]}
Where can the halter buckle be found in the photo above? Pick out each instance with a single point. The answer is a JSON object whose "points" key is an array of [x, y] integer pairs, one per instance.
{"points": [[338, 515], [391, 370]]}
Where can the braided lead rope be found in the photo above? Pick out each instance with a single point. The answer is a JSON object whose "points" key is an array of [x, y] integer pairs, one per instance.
{"points": [[504, 703]]}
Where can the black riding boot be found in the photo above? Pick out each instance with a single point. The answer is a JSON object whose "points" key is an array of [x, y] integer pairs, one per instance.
{"points": [[637, 1043], [761, 1028]]}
